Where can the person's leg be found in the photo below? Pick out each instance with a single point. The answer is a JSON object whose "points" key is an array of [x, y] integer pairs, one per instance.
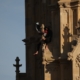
{"points": [[46, 42], [46, 46], [38, 47]]}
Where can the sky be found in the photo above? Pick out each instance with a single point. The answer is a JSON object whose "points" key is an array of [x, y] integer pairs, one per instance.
{"points": [[12, 31]]}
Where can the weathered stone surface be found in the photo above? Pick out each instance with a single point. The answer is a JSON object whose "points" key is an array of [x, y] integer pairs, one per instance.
{"points": [[61, 61], [75, 57]]}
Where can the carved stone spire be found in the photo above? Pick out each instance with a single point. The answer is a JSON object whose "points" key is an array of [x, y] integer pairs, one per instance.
{"points": [[17, 65]]}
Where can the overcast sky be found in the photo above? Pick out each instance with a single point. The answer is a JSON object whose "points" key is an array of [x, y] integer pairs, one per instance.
{"points": [[12, 31]]}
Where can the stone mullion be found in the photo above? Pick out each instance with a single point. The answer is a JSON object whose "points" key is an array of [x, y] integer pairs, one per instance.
{"points": [[61, 27], [71, 21], [78, 11], [65, 21]]}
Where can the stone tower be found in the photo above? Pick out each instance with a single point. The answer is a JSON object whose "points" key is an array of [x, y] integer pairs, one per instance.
{"points": [[61, 60]]}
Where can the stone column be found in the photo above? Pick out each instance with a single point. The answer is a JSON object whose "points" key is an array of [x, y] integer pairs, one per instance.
{"points": [[76, 62], [78, 11], [70, 19], [65, 24], [74, 56]]}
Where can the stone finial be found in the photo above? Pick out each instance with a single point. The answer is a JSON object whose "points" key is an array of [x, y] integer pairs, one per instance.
{"points": [[17, 65]]}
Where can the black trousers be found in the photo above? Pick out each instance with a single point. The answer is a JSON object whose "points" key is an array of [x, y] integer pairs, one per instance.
{"points": [[42, 42]]}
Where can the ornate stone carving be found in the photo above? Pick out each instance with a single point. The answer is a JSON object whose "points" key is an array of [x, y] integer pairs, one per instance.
{"points": [[79, 3], [17, 65], [78, 78], [64, 5], [47, 57], [60, 4], [70, 56], [67, 4], [78, 65], [78, 28], [78, 60]]}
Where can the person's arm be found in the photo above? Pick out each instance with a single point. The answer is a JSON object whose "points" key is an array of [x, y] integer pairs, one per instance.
{"points": [[38, 27], [43, 38], [49, 36]]}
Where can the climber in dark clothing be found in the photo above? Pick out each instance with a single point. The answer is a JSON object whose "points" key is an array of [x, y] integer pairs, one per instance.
{"points": [[46, 36]]}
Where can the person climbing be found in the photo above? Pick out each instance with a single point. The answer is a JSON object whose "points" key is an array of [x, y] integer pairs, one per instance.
{"points": [[46, 36]]}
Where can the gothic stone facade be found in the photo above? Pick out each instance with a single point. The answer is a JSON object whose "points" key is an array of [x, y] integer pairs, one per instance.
{"points": [[61, 60]]}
